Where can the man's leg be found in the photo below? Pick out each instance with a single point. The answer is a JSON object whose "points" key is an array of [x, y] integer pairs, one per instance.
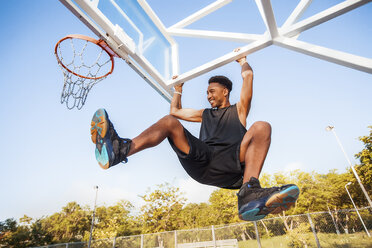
{"points": [[254, 202], [111, 149], [167, 127], [254, 148]]}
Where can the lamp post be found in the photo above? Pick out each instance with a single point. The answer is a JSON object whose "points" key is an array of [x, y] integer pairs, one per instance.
{"points": [[331, 128], [94, 213], [360, 217]]}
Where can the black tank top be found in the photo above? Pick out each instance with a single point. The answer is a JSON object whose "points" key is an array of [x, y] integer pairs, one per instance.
{"points": [[221, 128]]}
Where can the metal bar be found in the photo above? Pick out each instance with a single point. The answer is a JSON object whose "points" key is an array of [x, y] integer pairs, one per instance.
{"points": [[257, 234], [201, 13], [94, 13], [297, 12], [337, 57], [102, 20], [114, 243], [83, 17], [333, 220], [163, 92], [215, 35], [117, 48], [351, 165], [214, 238], [322, 17], [140, 34], [155, 19], [175, 239], [175, 60], [356, 209], [142, 241], [267, 15], [313, 229], [94, 214], [230, 57]]}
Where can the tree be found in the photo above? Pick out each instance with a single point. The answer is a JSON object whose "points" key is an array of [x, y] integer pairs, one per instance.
{"points": [[38, 235], [114, 221], [162, 209], [7, 228], [195, 215], [69, 225], [224, 206], [364, 170]]}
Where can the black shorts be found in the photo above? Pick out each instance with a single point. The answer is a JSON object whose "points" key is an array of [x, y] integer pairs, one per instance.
{"points": [[210, 165]]}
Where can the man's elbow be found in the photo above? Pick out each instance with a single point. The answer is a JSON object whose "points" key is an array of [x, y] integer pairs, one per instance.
{"points": [[247, 74], [174, 112]]}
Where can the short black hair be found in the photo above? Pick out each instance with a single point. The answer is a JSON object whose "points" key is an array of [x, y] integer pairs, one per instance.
{"points": [[221, 80]]}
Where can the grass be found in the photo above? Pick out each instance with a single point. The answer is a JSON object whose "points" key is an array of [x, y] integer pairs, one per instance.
{"points": [[354, 240]]}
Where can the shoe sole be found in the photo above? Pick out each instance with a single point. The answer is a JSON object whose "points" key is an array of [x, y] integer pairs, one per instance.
{"points": [[283, 200], [98, 131], [275, 204]]}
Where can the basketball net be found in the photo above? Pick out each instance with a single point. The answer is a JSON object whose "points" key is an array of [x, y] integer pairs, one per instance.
{"points": [[84, 62]]}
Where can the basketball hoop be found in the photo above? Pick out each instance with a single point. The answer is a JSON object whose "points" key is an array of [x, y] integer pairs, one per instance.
{"points": [[84, 62]]}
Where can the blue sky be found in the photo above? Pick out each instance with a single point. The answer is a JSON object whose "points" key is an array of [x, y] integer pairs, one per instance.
{"points": [[48, 158]]}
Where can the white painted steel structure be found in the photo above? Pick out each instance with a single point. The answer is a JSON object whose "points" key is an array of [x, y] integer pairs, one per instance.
{"points": [[285, 36]]}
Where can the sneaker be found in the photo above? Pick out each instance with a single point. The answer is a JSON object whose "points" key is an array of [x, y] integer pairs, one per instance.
{"points": [[110, 148], [255, 203]]}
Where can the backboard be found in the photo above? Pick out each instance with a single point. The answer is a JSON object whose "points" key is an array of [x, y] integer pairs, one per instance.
{"points": [[135, 32]]}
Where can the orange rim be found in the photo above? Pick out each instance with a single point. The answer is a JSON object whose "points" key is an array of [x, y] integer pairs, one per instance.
{"points": [[101, 43]]}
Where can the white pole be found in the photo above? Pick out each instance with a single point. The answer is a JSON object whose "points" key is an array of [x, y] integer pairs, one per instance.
{"points": [[94, 213], [313, 229], [331, 128], [360, 217], [257, 234], [214, 238], [175, 239]]}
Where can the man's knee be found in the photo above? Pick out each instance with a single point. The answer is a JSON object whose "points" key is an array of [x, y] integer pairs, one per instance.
{"points": [[170, 123], [168, 120], [262, 128]]}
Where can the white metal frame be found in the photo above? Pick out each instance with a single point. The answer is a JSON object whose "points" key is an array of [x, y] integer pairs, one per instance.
{"points": [[284, 36]]}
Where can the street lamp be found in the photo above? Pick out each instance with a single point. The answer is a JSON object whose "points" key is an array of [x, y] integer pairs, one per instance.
{"points": [[94, 213], [360, 217], [331, 128]]}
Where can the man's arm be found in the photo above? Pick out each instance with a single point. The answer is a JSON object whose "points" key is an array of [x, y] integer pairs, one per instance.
{"points": [[244, 103], [184, 114]]}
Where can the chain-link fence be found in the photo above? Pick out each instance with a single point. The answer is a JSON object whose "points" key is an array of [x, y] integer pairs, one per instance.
{"points": [[344, 228]]}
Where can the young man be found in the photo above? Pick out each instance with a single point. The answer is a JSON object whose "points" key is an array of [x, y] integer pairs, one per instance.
{"points": [[226, 155]]}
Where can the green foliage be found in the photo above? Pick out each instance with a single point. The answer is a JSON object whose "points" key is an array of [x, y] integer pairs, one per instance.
{"points": [[299, 236], [195, 215], [162, 209], [364, 170], [114, 221], [69, 225], [224, 206], [356, 240], [14, 235]]}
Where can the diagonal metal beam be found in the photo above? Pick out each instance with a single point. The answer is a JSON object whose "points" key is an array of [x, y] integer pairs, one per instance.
{"points": [[228, 58], [297, 12], [267, 14], [201, 13], [323, 16], [341, 58], [215, 35]]}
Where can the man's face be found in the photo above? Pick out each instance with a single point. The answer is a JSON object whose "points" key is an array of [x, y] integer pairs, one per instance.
{"points": [[216, 94]]}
